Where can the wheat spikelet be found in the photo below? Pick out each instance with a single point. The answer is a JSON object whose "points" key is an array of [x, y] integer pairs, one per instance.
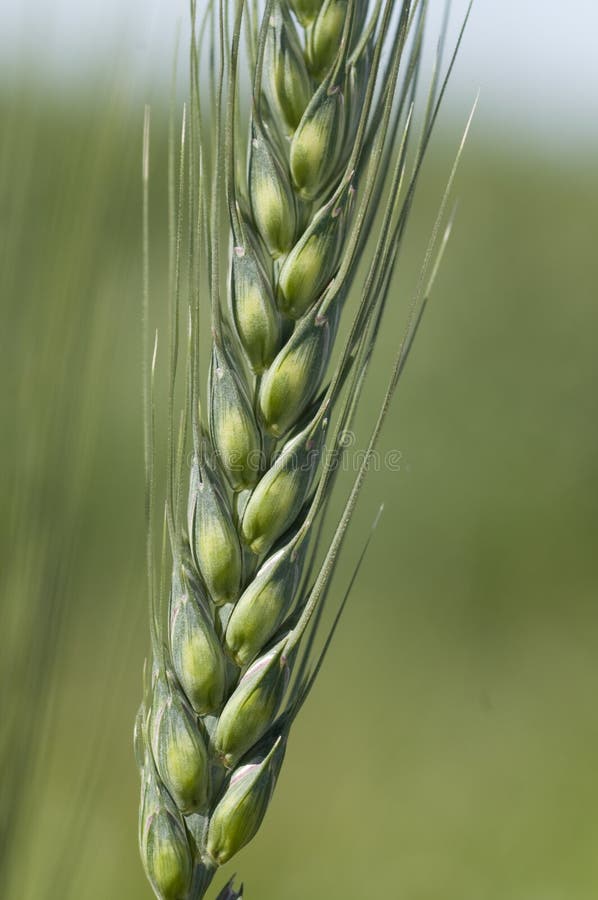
{"points": [[333, 85]]}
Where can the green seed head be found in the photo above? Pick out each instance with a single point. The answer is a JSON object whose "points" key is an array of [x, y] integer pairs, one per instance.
{"points": [[241, 810], [214, 540], [306, 10], [315, 144], [291, 383], [286, 79], [196, 652], [178, 747], [311, 263], [252, 706], [325, 36], [272, 200], [164, 844], [253, 308], [279, 496], [265, 603], [167, 862], [233, 429]]}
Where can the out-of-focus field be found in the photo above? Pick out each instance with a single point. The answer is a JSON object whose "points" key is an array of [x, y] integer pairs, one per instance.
{"points": [[449, 751]]}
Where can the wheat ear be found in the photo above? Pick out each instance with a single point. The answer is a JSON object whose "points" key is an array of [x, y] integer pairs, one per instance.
{"points": [[333, 87]]}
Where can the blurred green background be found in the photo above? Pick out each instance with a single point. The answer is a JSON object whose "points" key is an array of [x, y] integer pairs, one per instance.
{"points": [[449, 751]]}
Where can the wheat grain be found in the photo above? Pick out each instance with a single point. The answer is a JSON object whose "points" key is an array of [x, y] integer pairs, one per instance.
{"points": [[233, 663]]}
